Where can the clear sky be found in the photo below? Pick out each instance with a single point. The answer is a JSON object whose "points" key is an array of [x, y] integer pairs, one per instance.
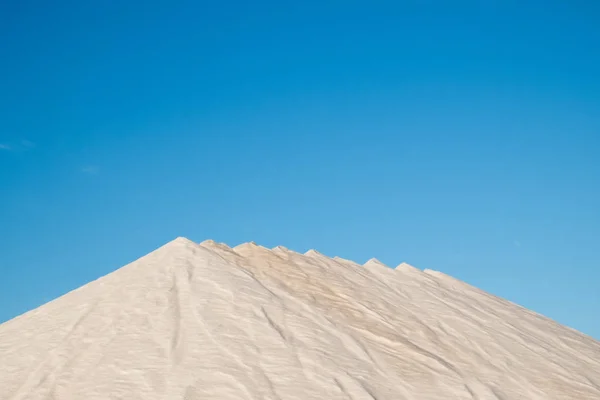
{"points": [[458, 136]]}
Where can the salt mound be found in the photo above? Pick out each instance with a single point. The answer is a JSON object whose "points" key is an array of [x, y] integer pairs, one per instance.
{"points": [[191, 321]]}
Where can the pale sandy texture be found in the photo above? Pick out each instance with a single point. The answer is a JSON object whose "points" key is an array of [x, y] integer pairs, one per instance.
{"points": [[206, 321]]}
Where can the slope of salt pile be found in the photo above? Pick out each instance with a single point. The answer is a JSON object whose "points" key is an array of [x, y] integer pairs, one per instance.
{"points": [[206, 321]]}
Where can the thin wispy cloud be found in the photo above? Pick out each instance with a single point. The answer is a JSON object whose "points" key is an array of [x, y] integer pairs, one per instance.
{"points": [[22, 145], [90, 169], [27, 143]]}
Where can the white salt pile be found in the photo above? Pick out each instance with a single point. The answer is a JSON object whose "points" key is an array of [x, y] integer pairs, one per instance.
{"points": [[205, 321]]}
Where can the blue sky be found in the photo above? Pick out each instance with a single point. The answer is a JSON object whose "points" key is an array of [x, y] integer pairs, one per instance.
{"points": [[463, 138]]}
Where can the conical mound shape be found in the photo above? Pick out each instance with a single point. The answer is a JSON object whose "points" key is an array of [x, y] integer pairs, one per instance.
{"points": [[205, 321]]}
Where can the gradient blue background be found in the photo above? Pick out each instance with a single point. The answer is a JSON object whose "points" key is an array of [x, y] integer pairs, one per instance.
{"points": [[462, 137]]}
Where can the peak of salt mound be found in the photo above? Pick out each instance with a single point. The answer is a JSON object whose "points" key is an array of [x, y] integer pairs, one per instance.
{"points": [[313, 253], [252, 249], [213, 243], [247, 245], [408, 268], [216, 246], [180, 240], [374, 262], [174, 245], [284, 252]]}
